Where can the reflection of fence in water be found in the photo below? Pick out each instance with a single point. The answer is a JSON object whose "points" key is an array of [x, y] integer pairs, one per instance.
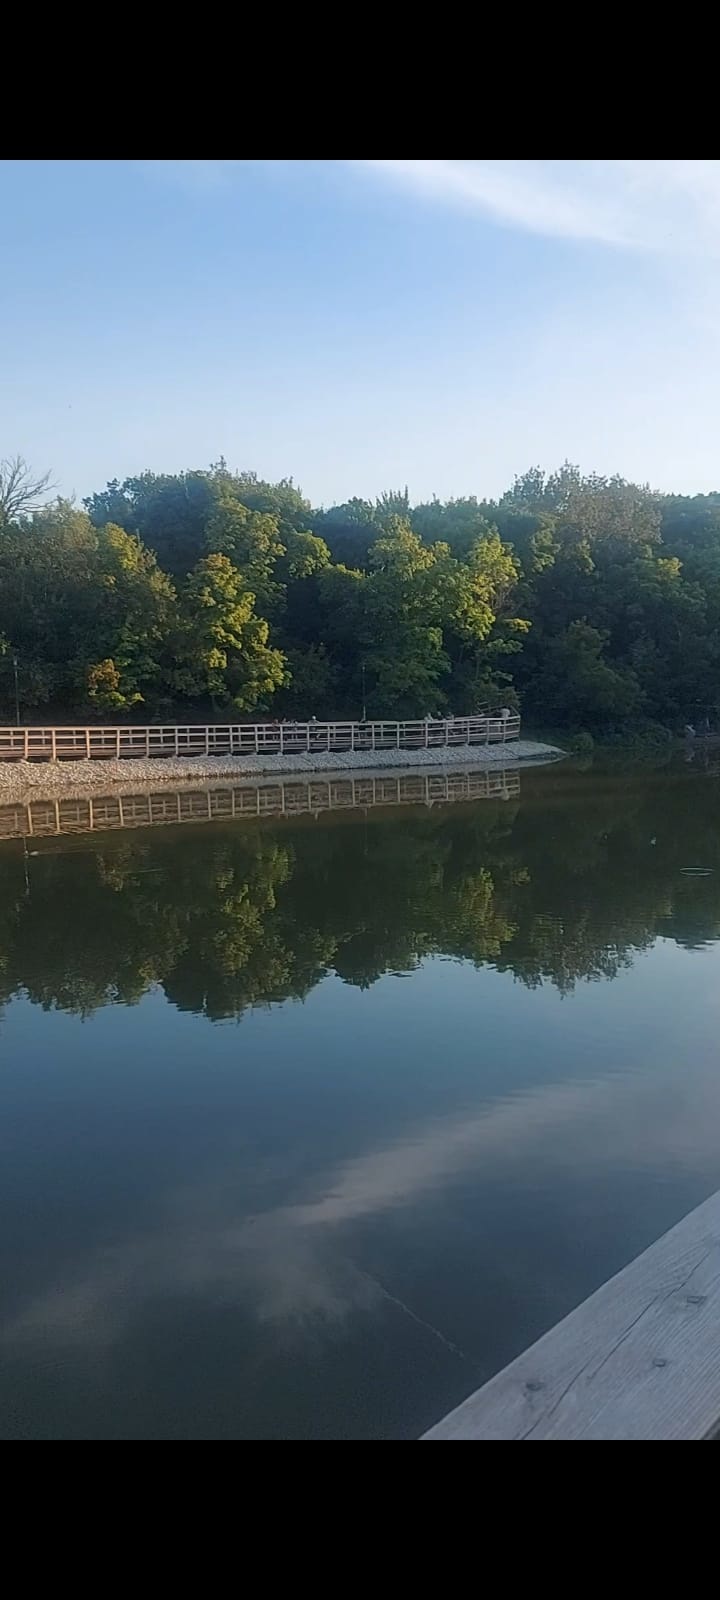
{"points": [[222, 803]]}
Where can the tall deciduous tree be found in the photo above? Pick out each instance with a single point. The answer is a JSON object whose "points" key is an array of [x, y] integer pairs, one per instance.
{"points": [[21, 491], [223, 645]]}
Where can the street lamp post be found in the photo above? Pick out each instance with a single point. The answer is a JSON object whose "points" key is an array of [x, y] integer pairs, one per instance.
{"points": [[364, 715], [17, 691]]}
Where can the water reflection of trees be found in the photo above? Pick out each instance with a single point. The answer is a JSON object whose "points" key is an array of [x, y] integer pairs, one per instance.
{"points": [[567, 885]]}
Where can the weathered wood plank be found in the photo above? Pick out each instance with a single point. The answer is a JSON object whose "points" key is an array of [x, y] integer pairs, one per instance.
{"points": [[639, 1360]]}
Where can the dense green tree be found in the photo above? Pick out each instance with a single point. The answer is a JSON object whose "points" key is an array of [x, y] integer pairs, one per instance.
{"points": [[312, 684], [593, 601], [136, 607], [73, 596], [282, 500], [223, 649], [251, 540], [401, 639], [168, 512], [575, 685], [589, 507], [459, 523], [476, 603], [349, 531]]}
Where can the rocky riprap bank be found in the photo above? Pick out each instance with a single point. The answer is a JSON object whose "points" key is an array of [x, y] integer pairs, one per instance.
{"points": [[18, 778]]}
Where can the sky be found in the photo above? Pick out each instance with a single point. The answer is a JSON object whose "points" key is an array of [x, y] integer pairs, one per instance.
{"points": [[362, 325]]}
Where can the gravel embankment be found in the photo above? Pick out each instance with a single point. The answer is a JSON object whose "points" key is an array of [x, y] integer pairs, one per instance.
{"points": [[23, 779]]}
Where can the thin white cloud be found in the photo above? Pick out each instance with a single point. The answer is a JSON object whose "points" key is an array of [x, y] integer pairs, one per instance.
{"points": [[672, 207], [289, 1265], [666, 207]]}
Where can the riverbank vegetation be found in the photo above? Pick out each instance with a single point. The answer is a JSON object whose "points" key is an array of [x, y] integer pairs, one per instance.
{"points": [[593, 601]]}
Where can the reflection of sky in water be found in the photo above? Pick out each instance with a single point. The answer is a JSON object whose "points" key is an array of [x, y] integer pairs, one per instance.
{"points": [[339, 1216]]}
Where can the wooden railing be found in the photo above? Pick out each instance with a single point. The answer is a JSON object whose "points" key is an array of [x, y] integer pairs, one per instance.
{"points": [[257, 738], [143, 809]]}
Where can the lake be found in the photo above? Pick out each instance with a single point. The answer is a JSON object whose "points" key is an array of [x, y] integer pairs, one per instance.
{"points": [[309, 1124]]}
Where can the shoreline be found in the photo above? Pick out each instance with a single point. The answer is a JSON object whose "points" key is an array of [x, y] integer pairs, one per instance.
{"points": [[23, 780]]}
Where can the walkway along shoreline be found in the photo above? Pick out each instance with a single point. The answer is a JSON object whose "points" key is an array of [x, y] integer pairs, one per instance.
{"points": [[103, 741], [19, 779]]}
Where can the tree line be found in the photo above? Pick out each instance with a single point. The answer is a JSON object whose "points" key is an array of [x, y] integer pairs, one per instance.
{"points": [[591, 601]]}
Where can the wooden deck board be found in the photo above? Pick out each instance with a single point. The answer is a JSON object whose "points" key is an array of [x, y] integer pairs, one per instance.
{"points": [[639, 1360]]}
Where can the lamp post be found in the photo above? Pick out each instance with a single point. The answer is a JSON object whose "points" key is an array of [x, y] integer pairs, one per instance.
{"points": [[17, 691], [364, 715]]}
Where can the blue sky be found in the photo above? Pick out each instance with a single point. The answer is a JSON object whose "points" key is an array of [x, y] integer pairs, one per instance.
{"points": [[360, 325]]}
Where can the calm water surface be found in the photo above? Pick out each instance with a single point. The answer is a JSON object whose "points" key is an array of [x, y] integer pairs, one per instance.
{"points": [[306, 1128]]}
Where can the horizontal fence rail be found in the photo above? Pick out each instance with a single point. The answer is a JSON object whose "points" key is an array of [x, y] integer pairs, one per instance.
{"points": [[249, 739], [41, 818]]}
